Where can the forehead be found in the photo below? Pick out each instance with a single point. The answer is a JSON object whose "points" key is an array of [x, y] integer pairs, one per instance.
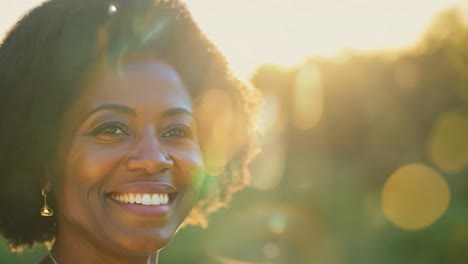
{"points": [[135, 84]]}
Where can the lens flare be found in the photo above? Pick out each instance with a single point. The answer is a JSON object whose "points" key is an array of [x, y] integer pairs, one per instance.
{"points": [[271, 250], [414, 197], [270, 121], [308, 97], [268, 167], [112, 9], [277, 224], [218, 130]]}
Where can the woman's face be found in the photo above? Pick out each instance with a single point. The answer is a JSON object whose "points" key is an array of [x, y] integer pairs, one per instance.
{"points": [[132, 166]]}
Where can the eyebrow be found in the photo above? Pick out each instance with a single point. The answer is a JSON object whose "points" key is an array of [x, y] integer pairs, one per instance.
{"points": [[176, 111], [113, 107], [128, 110]]}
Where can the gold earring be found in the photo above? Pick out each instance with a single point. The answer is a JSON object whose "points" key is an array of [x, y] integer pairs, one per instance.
{"points": [[46, 210]]}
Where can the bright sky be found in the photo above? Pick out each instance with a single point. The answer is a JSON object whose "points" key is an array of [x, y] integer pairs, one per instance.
{"points": [[254, 32]]}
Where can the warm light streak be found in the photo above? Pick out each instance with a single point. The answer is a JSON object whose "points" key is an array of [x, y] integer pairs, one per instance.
{"points": [[268, 167], [308, 97]]}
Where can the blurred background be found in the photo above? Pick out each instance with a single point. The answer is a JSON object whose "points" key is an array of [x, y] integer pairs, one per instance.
{"points": [[364, 133]]}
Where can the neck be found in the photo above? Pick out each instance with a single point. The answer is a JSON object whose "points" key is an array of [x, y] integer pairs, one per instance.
{"points": [[51, 259], [75, 248]]}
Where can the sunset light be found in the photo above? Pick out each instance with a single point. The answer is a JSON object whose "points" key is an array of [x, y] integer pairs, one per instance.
{"points": [[254, 32], [285, 32], [297, 131]]}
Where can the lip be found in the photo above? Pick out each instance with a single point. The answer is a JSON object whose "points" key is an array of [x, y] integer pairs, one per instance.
{"points": [[155, 211]]}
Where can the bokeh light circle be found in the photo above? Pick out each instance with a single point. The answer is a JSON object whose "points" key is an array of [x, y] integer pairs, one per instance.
{"points": [[414, 197], [448, 145]]}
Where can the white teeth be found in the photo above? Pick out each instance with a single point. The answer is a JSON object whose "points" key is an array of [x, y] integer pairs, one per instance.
{"points": [[138, 198], [155, 199], [142, 198], [146, 199]]}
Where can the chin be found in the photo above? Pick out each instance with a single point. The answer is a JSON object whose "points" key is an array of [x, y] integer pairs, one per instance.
{"points": [[144, 246]]}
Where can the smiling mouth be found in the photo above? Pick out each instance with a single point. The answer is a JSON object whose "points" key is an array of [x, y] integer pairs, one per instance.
{"points": [[148, 199]]}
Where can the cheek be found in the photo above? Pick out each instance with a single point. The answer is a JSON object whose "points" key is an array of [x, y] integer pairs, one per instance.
{"points": [[189, 165], [90, 163], [86, 168]]}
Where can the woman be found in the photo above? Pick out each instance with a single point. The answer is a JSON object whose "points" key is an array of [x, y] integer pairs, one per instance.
{"points": [[113, 114]]}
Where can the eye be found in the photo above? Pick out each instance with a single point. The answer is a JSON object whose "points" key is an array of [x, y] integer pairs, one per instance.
{"points": [[112, 128], [179, 131]]}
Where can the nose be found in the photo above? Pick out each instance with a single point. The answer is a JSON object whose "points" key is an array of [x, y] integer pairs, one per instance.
{"points": [[149, 156]]}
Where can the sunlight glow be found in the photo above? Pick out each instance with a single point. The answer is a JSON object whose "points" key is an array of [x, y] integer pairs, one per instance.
{"points": [[219, 135], [255, 32]]}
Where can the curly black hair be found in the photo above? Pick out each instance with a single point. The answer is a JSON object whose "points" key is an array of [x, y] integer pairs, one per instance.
{"points": [[43, 62]]}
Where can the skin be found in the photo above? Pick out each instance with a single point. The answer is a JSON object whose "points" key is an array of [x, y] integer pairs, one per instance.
{"points": [[140, 130]]}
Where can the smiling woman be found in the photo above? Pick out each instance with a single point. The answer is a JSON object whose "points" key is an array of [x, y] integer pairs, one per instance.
{"points": [[112, 113]]}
